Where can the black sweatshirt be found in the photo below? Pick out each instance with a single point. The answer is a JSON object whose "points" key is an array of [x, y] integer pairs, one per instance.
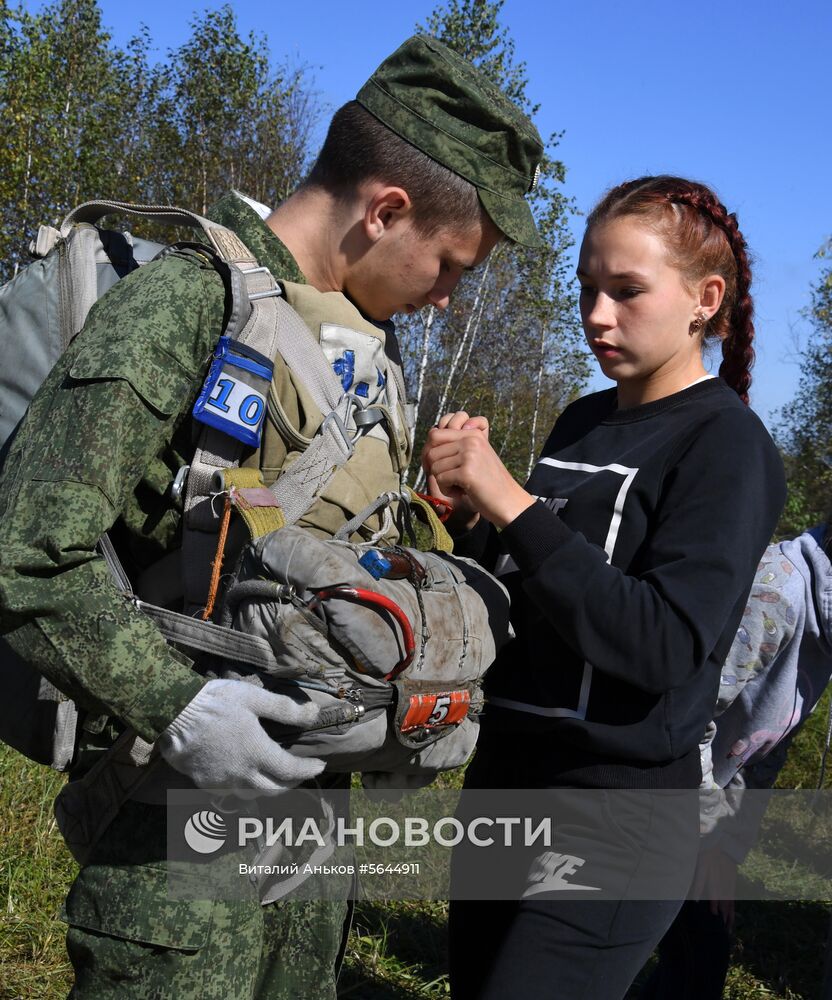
{"points": [[628, 581]]}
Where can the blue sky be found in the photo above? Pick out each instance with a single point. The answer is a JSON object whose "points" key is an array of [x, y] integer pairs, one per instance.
{"points": [[735, 94]]}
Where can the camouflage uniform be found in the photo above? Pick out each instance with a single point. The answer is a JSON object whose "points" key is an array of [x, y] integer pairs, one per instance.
{"points": [[103, 441]]}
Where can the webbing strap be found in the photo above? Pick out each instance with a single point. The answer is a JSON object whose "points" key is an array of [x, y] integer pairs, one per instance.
{"points": [[206, 637], [298, 485], [227, 244], [86, 807], [273, 328], [307, 477], [216, 451], [78, 283], [302, 352], [117, 572], [203, 637]]}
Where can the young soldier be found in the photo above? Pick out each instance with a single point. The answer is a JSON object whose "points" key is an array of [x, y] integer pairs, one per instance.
{"points": [[418, 179]]}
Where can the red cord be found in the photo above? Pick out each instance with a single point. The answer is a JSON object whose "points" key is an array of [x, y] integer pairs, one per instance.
{"points": [[443, 509], [372, 597]]}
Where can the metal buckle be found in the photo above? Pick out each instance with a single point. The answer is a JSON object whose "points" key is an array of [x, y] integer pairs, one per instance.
{"points": [[178, 484], [253, 296], [368, 417], [334, 420], [254, 270]]}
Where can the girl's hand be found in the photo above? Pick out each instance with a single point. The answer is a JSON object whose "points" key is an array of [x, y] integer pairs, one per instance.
{"points": [[715, 880], [464, 516], [463, 466]]}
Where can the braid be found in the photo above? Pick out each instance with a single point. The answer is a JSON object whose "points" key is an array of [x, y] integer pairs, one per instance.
{"points": [[702, 238], [737, 329]]}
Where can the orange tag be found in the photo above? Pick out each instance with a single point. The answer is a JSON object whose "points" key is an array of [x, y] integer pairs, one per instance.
{"points": [[445, 708]]}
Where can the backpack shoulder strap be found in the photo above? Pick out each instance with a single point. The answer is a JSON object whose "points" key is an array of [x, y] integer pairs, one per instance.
{"points": [[224, 241]]}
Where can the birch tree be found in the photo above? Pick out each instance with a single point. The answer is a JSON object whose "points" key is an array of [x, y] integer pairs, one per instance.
{"points": [[81, 118], [236, 122], [59, 101], [508, 346]]}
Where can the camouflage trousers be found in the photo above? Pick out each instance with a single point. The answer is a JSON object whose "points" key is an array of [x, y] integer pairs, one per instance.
{"points": [[128, 938]]}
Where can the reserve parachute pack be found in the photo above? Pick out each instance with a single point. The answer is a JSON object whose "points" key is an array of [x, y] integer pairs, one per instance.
{"points": [[394, 656], [392, 637]]}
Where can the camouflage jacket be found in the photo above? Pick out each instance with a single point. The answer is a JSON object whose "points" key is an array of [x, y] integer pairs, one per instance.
{"points": [[101, 443]]}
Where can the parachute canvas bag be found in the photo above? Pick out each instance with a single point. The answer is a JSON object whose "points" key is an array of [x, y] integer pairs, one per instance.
{"points": [[391, 642], [345, 660]]}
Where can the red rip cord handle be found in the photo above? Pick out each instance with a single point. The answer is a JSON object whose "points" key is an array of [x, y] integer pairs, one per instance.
{"points": [[443, 509], [362, 596]]}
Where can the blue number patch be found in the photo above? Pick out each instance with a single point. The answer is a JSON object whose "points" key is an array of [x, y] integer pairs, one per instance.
{"points": [[233, 397]]}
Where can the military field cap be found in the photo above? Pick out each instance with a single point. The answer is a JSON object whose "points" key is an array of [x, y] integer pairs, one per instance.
{"points": [[448, 109]]}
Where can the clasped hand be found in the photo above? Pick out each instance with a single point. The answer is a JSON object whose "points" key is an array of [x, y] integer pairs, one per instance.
{"points": [[463, 469]]}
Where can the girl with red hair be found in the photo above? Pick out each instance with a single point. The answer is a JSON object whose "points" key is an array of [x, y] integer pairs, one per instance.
{"points": [[629, 555]]}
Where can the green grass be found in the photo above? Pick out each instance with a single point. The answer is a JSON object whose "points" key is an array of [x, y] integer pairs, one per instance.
{"points": [[397, 951], [35, 872]]}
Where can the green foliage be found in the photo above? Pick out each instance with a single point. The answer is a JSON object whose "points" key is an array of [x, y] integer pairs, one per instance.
{"points": [[805, 428], [81, 118], [230, 121], [58, 114], [509, 345]]}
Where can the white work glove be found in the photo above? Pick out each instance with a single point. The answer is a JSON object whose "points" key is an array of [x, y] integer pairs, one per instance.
{"points": [[217, 740]]}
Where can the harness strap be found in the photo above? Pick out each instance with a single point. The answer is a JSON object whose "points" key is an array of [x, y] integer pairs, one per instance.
{"points": [[307, 477], [254, 294], [273, 328], [226, 243], [206, 637]]}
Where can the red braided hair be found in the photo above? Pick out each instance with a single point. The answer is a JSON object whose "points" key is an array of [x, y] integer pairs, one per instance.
{"points": [[702, 238]]}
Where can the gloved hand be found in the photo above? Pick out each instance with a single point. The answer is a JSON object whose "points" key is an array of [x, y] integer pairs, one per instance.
{"points": [[218, 742]]}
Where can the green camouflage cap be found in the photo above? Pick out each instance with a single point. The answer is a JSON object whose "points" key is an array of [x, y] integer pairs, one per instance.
{"points": [[443, 105]]}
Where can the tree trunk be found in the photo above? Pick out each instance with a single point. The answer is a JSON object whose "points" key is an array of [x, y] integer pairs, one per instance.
{"points": [[537, 392], [473, 321], [427, 326]]}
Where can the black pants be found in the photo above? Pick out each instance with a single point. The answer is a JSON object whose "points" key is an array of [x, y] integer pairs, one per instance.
{"points": [[574, 950], [542, 946], [693, 957]]}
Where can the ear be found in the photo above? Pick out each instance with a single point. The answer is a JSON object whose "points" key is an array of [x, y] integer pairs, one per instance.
{"points": [[385, 208], [711, 294]]}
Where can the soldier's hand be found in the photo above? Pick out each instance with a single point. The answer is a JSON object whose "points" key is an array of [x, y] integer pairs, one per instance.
{"points": [[217, 739]]}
